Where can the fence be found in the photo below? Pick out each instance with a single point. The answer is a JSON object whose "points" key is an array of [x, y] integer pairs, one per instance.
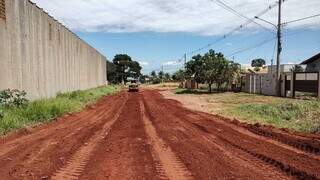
{"points": [[41, 56], [259, 84]]}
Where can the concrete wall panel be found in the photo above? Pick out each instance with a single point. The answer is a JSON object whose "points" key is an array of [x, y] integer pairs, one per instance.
{"points": [[41, 56]]}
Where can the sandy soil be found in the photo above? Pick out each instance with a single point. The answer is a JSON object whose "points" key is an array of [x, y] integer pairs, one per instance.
{"points": [[143, 135], [199, 103]]}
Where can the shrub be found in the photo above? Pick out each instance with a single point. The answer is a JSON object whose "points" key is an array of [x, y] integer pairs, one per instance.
{"points": [[13, 97]]}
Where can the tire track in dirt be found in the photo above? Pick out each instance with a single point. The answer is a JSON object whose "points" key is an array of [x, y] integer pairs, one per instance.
{"points": [[286, 168], [251, 147], [41, 154], [289, 170], [77, 163], [246, 130], [43, 133], [205, 160], [279, 164], [169, 165], [302, 144]]}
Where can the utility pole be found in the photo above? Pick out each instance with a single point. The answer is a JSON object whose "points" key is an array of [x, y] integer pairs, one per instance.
{"points": [[185, 60], [279, 49]]}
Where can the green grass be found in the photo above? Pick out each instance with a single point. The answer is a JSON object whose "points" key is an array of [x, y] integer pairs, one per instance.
{"points": [[301, 115], [296, 114], [45, 110]]}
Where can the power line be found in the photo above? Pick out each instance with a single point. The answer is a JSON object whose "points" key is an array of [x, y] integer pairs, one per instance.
{"points": [[301, 19], [236, 29], [249, 21], [235, 12], [252, 47]]}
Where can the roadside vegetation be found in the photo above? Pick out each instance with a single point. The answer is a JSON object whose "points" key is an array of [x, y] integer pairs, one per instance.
{"points": [[19, 113], [296, 114]]}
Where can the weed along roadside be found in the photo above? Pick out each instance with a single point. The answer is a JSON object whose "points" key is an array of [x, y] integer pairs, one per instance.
{"points": [[45, 110], [296, 114]]}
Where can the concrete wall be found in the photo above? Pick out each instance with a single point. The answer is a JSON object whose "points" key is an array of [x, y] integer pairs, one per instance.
{"points": [[41, 56], [260, 84]]}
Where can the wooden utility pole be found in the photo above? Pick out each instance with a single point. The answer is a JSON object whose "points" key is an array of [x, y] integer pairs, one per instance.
{"points": [[279, 49], [185, 60]]}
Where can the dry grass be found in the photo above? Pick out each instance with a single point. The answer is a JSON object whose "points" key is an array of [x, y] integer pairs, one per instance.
{"points": [[162, 86], [300, 115]]}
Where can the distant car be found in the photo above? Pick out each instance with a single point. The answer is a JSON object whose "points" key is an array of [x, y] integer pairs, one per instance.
{"points": [[133, 87]]}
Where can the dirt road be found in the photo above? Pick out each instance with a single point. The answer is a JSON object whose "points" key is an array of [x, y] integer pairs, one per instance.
{"points": [[144, 136]]}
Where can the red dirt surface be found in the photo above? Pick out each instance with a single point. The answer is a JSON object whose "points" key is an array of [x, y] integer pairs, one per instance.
{"points": [[142, 135]]}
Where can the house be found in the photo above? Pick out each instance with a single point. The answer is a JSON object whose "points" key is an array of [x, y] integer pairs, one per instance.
{"points": [[284, 68], [313, 63]]}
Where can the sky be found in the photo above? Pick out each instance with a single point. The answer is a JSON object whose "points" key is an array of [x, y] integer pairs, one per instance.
{"points": [[158, 32]]}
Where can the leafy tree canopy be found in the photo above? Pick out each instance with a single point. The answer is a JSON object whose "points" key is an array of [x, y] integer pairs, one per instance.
{"points": [[258, 62], [122, 67], [179, 75]]}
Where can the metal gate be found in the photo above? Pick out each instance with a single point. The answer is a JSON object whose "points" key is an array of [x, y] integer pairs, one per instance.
{"points": [[304, 83]]}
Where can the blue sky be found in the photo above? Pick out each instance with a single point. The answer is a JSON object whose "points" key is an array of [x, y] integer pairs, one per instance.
{"points": [[155, 49], [159, 32]]}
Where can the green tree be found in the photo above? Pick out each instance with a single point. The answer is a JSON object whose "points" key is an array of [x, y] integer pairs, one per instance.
{"points": [[154, 78], [153, 74], [258, 62], [179, 75], [194, 69], [125, 67], [122, 62], [134, 69], [234, 72], [161, 74], [111, 73], [215, 69], [167, 77]]}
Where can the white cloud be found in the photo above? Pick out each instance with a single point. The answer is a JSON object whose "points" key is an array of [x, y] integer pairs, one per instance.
{"points": [[229, 44], [143, 63], [171, 63], [194, 16]]}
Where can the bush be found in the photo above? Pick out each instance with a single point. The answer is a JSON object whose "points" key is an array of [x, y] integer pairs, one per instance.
{"points": [[12, 98]]}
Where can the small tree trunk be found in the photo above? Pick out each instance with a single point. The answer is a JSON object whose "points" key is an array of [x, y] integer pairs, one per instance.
{"points": [[210, 89]]}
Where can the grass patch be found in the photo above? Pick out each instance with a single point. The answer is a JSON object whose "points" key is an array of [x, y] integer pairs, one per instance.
{"points": [[45, 110], [296, 114], [300, 115]]}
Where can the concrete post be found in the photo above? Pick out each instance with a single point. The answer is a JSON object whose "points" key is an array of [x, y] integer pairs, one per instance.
{"points": [[283, 85], [260, 84], [254, 84], [291, 85], [250, 84], [293, 78]]}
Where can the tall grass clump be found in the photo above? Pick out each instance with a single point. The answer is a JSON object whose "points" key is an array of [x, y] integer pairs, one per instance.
{"points": [[298, 115], [44, 110]]}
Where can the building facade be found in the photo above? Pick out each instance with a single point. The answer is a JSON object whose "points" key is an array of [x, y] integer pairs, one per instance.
{"points": [[313, 63], [41, 56]]}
